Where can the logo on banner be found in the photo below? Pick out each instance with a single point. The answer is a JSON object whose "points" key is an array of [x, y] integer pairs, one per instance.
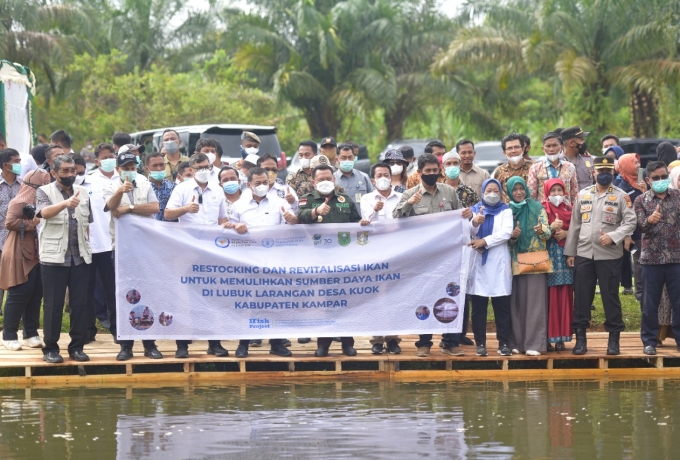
{"points": [[344, 239], [268, 242], [222, 242], [362, 238], [317, 239]]}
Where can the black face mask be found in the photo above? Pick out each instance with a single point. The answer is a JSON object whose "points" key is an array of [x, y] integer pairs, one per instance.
{"points": [[582, 148], [67, 181], [429, 179]]}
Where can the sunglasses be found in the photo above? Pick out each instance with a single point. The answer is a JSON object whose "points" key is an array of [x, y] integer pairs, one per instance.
{"points": [[662, 177]]}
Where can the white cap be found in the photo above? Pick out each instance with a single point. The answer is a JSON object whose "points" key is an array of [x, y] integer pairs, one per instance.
{"points": [[251, 159]]}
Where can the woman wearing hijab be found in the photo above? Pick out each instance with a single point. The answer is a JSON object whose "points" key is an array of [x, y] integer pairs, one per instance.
{"points": [[666, 152], [490, 270], [20, 268], [529, 300], [561, 280]]}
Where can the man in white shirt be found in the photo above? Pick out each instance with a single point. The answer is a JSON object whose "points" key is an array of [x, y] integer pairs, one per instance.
{"points": [[257, 208], [198, 201], [277, 188], [210, 147]]}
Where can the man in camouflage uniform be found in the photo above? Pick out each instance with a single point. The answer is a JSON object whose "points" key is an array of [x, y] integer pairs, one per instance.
{"points": [[301, 181]]}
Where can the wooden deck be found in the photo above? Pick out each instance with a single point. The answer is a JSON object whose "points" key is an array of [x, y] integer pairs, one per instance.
{"points": [[26, 367]]}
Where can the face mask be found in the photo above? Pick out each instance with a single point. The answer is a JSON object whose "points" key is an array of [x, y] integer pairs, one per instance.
{"points": [[604, 150], [605, 179], [108, 165], [67, 181], [346, 166], [452, 172], [515, 160], [79, 179], [202, 176], [305, 163], [396, 170], [553, 158], [492, 199], [171, 147], [252, 150], [260, 190], [556, 200], [211, 158], [582, 148], [325, 187], [383, 183], [128, 175], [660, 186], [272, 176], [139, 161], [16, 168], [157, 175], [231, 187], [430, 179], [411, 167]]}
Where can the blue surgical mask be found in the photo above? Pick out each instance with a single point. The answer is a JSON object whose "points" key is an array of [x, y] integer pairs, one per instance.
{"points": [[139, 161], [452, 172], [16, 168], [231, 187], [157, 175], [107, 165], [660, 186], [604, 179], [128, 175], [346, 166]]}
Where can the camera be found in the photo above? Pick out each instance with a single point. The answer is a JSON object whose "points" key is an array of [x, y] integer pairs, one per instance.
{"points": [[28, 211]]}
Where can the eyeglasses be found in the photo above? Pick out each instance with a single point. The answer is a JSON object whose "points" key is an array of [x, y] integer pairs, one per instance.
{"points": [[656, 178], [514, 148], [205, 168]]}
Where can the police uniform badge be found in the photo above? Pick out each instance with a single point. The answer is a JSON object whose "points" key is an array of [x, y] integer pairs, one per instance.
{"points": [[609, 218], [362, 238], [585, 217], [344, 239], [341, 199], [612, 198], [587, 164], [628, 201]]}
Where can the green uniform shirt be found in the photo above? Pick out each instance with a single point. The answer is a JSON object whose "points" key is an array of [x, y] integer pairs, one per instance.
{"points": [[343, 209]]}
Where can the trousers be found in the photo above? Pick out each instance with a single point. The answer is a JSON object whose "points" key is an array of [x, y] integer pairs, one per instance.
{"points": [[653, 278], [501, 312], [587, 274], [23, 304]]}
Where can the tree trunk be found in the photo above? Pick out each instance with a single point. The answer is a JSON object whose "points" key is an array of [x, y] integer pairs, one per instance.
{"points": [[321, 119], [644, 117], [394, 124]]}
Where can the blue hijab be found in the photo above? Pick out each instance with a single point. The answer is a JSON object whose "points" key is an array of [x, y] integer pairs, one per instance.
{"points": [[489, 212]]}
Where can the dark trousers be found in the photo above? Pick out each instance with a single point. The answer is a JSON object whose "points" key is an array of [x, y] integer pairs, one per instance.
{"points": [[100, 309], [23, 304], [272, 342], [654, 277], [325, 342], [450, 340], [466, 316], [587, 274], [101, 269], [185, 343], [637, 271], [501, 312], [626, 270], [55, 281]]}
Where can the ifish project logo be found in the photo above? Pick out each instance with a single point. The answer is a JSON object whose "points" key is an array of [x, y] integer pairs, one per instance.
{"points": [[268, 242], [222, 242]]}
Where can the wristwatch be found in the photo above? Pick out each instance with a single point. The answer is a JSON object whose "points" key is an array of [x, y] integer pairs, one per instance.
{"points": [[132, 208]]}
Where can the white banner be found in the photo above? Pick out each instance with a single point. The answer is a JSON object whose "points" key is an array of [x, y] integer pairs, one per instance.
{"points": [[186, 282]]}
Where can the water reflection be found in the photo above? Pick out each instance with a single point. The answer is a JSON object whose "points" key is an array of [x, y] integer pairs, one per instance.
{"points": [[565, 419]]}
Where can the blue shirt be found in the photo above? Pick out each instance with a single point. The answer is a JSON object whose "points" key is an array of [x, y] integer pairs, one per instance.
{"points": [[356, 185], [163, 193]]}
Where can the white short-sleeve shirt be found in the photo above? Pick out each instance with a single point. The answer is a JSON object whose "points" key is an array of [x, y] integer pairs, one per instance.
{"points": [[253, 214], [211, 201], [369, 200]]}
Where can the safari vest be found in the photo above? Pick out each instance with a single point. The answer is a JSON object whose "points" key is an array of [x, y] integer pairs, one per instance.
{"points": [[54, 234], [139, 195]]}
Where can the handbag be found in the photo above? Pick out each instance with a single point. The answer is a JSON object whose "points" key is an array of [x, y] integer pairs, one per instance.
{"points": [[533, 262]]}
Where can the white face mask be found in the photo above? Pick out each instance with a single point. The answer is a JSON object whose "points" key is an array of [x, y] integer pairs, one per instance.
{"points": [[252, 150], [211, 158], [79, 179], [553, 158], [202, 176], [515, 160], [325, 187], [556, 200], [396, 169], [492, 199], [260, 190], [305, 163], [383, 183]]}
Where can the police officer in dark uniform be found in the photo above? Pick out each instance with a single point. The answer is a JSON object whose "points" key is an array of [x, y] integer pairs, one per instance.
{"points": [[601, 219], [574, 142], [327, 205]]}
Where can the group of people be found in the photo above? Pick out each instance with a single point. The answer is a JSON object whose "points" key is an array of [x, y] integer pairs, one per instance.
{"points": [[544, 232]]}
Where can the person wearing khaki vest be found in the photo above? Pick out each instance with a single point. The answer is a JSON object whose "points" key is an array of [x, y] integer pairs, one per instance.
{"points": [[65, 254]]}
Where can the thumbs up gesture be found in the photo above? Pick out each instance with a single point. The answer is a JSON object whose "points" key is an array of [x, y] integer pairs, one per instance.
{"points": [[288, 216], [74, 201], [605, 239], [324, 209], [127, 186], [479, 218], [539, 228], [557, 224], [516, 232], [415, 199], [655, 218], [290, 198], [193, 207], [379, 205]]}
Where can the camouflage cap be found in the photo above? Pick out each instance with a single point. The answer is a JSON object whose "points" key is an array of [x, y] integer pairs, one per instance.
{"points": [[252, 136], [319, 160]]}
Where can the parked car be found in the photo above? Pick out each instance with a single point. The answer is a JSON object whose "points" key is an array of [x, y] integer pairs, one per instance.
{"points": [[229, 136], [363, 163], [489, 155], [645, 147]]}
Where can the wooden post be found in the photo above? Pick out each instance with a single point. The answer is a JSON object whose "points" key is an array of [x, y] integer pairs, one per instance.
{"points": [[338, 366], [242, 366], [602, 363], [506, 364], [291, 366], [550, 364], [188, 367], [28, 371], [659, 363], [128, 369], [449, 365]]}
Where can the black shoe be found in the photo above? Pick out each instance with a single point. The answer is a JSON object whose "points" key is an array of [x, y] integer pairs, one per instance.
{"points": [[393, 347], [550, 347], [613, 345], [581, 347], [153, 353], [441, 344], [505, 350], [255, 343], [53, 357], [466, 341], [242, 351], [349, 350], [481, 350], [79, 355], [649, 350], [377, 349], [321, 352], [337, 339], [280, 350], [628, 291], [182, 352], [217, 350], [304, 340], [124, 354], [286, 343], [559, 346]]}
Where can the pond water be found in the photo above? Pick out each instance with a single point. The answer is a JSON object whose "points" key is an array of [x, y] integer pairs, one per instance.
{"points": [[374, 420]]}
